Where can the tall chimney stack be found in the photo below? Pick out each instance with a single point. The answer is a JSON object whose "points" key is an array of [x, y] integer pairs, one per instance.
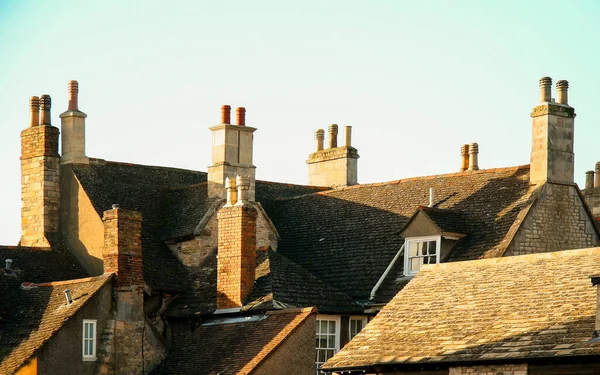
{"points": [[236, 260], [231, 153], [334, 166], [552, 157], [72, 124], [40, 167]]}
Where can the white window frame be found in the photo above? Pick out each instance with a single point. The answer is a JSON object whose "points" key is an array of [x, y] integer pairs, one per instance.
{"points": [[85, 340], [356, 318], [337, 319], [407, 242]]}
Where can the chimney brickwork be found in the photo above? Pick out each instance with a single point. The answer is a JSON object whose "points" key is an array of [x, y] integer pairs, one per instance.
{"points": [[552, 157], [40, 164], [334, 166], [236, 261], [232, 148], [127, 335], [73, 129]]}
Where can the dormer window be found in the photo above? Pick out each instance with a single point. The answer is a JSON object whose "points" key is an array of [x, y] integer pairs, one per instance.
{"points": [[419, 251]]}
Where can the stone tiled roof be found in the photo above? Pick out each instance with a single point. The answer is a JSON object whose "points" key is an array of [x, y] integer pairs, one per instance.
{"points": [[280, 283], [531, 306], [347, 237], [141, 188], [30, 316], [234, 347], [447, 220]]}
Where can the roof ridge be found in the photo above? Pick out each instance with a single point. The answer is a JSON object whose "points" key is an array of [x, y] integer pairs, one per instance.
{"points": [[74, 281], [103, 161], [516, 258]]}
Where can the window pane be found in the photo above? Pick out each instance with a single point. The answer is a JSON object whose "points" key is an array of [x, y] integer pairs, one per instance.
{"points": [[324, 326], [322, 356], [329, 354], [359, 325], [331, 326], [413, 249], [420, 248], [432, 247], [331, 342], [415, 264]]}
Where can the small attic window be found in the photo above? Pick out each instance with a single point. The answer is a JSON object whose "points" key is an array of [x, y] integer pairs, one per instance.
{"points": [[419, 251]]}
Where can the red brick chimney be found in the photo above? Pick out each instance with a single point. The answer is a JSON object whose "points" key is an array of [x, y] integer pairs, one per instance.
{"points": [[236, 262], [40, 165], [122, 251]]}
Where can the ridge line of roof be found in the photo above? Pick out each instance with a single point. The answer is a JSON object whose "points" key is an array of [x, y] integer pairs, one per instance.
{"points": [[103, 161], [75, 281], [396, 182], [512, 259]]}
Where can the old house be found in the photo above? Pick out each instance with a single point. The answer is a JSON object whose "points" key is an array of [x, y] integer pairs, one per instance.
{"points": [[226, 264]]}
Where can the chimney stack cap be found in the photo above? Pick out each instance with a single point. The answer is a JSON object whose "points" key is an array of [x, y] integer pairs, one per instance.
{"points": [[34, 102], [562, 84], [545, 81], [45, 101], [115, 206]]}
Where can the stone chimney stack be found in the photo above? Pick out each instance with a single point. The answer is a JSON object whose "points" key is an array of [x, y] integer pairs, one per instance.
{"points": [[334, 166], [589, 180], [231, 153], [552, 157], [72, 125], [132, 345], [464, 158], [40, 164], [473, 157], [236, 260]]}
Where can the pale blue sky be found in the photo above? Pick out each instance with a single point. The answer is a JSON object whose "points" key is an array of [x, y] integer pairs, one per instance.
{"points": [[415, 79]]}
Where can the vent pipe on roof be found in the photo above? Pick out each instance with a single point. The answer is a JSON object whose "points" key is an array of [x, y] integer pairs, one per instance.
{"points": [[68, 296], [8, 264], [431, 197]]}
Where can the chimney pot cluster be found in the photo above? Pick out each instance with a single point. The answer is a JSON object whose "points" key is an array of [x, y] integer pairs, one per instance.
{"points": [[240, 114], [237, 191], [469, 157], [333, 137], [562, 88]]}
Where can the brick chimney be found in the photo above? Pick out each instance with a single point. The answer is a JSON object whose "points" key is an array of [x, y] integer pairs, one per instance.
{"points": [[232, 146], [334, 166], [40, 163], [236, 261], [122, 255], [72, 125], [552, 157]]}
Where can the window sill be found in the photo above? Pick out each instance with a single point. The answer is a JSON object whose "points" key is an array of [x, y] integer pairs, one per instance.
{"points": [[89, 359]]}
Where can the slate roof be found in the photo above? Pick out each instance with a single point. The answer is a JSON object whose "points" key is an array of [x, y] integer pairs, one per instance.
{"points": [[172, 202], [29, 317], [447, 220], [280, 283], [531, 306], [347, 237], [234, 348]]}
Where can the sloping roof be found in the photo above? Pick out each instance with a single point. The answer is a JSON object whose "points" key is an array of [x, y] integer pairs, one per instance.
{"points": [[447, 220], [280, 283], [141, 188], [231, 347], [30, 316], [347, 237], [531, 306], [172, 202]]}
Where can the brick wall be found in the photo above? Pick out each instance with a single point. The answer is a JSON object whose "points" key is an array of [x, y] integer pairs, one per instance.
{"points": [[508, 369], [40, 194], [236, 259], [557, 221]]}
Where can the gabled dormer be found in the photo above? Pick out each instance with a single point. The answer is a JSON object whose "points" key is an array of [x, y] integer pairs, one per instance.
{"points": [[430, 235]]}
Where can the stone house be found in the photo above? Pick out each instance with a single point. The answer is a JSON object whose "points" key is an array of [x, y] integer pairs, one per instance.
{"points": [[227, 264], [530, 314]]}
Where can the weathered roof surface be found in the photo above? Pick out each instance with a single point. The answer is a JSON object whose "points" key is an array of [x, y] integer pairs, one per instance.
{"points": [[141, 188], [29, 317], [530, 306], [447, 220], [232, 347], [347, 237], [280, 283]]}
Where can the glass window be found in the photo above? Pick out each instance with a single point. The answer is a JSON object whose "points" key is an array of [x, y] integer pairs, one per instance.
{"points": [[89, 339], [421, 251], [327, 340], [357, 323]]}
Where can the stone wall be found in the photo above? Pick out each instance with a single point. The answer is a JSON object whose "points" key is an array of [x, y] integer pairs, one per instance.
{"points": [[40, 193], [558, 220], [508, 369], [333, 167]]}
